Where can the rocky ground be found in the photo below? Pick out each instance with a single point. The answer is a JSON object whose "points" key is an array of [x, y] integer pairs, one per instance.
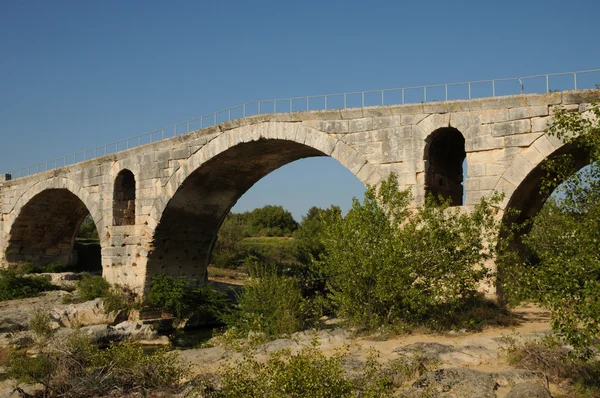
{"points": [[470, 364]]}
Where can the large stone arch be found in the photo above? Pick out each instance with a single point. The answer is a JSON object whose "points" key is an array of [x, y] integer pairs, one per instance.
{"points": [[220, 172], [46, 191]]}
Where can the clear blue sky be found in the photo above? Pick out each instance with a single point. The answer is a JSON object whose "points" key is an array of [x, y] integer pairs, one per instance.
{"points": [[77, 74]]}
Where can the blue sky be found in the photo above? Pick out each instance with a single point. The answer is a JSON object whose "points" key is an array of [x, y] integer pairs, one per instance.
{"points": [[77, 74]]}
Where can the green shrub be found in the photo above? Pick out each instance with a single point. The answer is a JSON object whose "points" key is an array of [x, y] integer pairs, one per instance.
{"points": [[14, 286], [92, 286], [74, 367], [177, 297], [40, 323], [385, 264], [52, 267], [120, 298], [269, 303], [310, 374]]}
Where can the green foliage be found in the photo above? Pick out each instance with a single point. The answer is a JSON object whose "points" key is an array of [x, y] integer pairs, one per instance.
{"points": [[74, 367], [271, 221], [92, 286], [177, 297], [310, 374], [52, 267], [14, 286], [308, 234], [386, 264], [561, 269], [269, 303], [120, 298], [87, 230], [40, 323]]}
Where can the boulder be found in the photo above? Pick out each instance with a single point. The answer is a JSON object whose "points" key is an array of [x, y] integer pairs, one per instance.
{"points": [[529, 390], [129, 331], [455, 382], [62, 279], [83, 314]]}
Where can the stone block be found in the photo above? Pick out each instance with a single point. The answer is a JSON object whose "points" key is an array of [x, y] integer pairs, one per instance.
{"points": [[513, 101], [407, 120], [410, 109], [518, 170], [377, 111], [476, 170], [385, 122], [359, 125], [463, 106], [544, 99], [495, 169], [528, 112], [483, 143], [435, 107], [329, 126], [354, 113], [511, 128], [521, 140], [434, 122], [541, 123], [580, 96]]}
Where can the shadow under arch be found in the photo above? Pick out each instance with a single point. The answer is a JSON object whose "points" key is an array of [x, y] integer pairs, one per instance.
{"points": [[187, 230], [528, 199], [45, 228]]}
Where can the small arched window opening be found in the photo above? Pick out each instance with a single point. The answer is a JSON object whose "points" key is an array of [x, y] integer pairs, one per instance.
{"points": [[444, 158], [124, 199]]}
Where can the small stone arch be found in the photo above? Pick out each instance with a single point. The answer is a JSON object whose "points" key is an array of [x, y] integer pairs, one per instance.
{"points": [[124, 199], [444, 156], [42, 224]]}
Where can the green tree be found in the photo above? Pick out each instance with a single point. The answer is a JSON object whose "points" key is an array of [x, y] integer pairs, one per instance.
{"points": [[227, 252], [387, 264], [271, 221], [561, 270], [308, 234]]}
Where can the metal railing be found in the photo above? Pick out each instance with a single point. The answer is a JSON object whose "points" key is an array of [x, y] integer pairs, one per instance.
{"points": [[396, 96]]}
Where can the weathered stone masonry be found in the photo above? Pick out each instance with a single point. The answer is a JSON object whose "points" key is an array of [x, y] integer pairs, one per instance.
{"points": [[184, 186]]}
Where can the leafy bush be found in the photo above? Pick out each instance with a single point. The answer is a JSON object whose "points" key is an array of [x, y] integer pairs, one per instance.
{"points": [[52, 267], [14, 286], [269, 303], [271, 221], [40, 323], [386, 264], [177, 297], [310, 374], [74, 367], [120, 298], [92, 286]]}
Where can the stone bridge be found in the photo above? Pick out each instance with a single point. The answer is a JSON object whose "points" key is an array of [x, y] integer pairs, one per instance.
{"points": [[158, 207]]}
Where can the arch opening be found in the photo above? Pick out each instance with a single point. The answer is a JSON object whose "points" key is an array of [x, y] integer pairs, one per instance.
{"points": [[187, 231], [444, 157], [124, 199], [45, 232], [528, 199]]}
